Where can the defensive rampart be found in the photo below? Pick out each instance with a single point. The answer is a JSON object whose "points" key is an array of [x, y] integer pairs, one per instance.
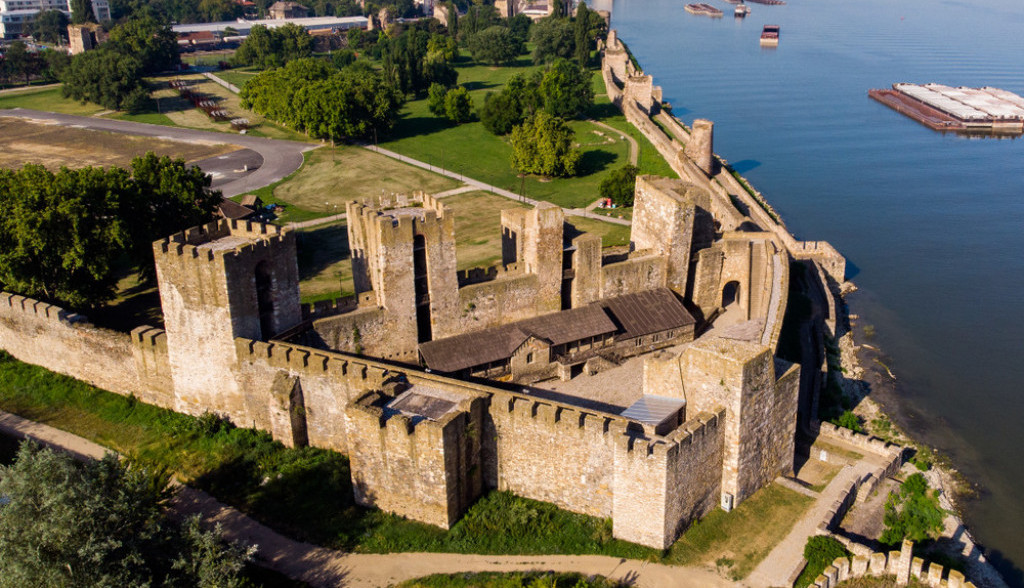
{"points": [[901, 564]]}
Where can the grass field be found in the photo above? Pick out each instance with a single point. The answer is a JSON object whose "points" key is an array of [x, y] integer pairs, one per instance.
{"points": [[50, 100], [331, 177], [470, 150], [478, 227], [736, 542], [24, 141], [325, 266]]}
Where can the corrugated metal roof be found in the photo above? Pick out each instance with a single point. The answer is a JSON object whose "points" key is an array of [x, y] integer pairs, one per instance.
{"points": [[653, 410]]}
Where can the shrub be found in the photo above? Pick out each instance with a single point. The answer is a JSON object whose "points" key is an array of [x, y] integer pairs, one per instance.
{"points": [[620, 185], [820, 551]]}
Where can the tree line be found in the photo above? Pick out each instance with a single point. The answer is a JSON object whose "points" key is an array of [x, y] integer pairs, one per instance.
{"points": [[66, 236]]}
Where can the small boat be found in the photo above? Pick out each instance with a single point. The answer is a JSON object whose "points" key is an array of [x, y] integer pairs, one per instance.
{"points": [[741, 10], [770, 35], [703, 9]]}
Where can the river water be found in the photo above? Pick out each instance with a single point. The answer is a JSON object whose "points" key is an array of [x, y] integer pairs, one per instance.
{"points": [[932, 224]]}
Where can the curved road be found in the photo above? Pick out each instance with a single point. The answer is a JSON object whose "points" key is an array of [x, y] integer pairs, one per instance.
{"points": [[269, 160]]}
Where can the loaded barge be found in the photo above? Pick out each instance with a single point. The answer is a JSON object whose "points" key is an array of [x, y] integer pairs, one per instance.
{"points": [[945, 108], [703, 9]]}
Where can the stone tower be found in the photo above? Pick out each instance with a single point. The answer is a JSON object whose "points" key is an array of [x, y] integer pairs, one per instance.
{"points": [[532, 239], [220, 281], [700, 148]]}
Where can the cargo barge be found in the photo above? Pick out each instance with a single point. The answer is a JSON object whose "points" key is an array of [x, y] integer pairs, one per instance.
{"points": [[945, 108], [702, 9], [770, 35]]}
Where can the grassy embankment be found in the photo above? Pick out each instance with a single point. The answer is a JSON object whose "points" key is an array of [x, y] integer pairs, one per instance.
{"points": [[510, 580], [306, 493]]}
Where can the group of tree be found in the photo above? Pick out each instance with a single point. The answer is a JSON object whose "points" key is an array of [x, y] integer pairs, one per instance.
{"points": [[268, 48], [312, 96], [416, 58], [912, 513], [560, 37], [112, 74], [562, 89], [65, 236], [50, 26], [453, 104], [103, 523], [19, 65]]}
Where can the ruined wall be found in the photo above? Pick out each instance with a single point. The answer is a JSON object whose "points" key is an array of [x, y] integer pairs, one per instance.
{"points": [[699, 147], [552, 452], [498, 302], [643, 270], [42, 334], [586, 268]]}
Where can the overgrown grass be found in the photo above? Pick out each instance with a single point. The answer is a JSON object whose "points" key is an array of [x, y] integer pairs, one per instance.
{"points": [[510, 580], [744, 536]]}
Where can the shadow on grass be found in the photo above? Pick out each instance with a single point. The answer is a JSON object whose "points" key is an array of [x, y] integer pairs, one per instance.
{"points": [[318, 248], [478, 85], [594, 161], [413, 126], [602, 111]]}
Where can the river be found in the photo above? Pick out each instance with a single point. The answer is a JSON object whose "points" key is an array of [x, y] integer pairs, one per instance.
{"points": [[932, 224]]}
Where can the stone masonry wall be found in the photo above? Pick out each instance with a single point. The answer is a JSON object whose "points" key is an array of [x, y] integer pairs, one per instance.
{"points": [[642, 271], [46, 335]]}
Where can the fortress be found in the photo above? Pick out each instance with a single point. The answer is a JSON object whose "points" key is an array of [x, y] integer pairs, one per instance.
{"points": [[698, 297]]}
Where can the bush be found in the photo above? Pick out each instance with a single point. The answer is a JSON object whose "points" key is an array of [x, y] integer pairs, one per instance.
{"points": [[848, 420], [819, 551], [458, 106], [620, 185], [913, 513], [543, 145]]}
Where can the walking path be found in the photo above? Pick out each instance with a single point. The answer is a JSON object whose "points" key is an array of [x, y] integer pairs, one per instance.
{"points": [[478, 185], [634, 148], [21, 89], [317, 221], [318, 566]]}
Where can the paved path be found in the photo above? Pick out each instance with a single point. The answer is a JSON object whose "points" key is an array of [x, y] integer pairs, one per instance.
{"points": [[21, 89], [318, 221], [277, 158], [329, 568]]}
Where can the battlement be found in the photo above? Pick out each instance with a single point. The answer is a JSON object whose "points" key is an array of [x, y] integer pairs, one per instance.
{"points": [[862, 440], [222, 238], [43, 310], [478, 275], [900, 564], [336, 306], [146, 336]]}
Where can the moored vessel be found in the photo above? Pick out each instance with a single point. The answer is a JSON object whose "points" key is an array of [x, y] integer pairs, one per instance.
{"points": [[770, 35], [703, 9]]}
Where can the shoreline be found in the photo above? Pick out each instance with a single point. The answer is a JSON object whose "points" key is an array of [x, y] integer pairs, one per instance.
{"points": [[863, 374]]}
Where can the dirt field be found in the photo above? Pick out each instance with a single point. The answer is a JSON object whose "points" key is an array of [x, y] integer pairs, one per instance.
{"points": [[23, 141]]}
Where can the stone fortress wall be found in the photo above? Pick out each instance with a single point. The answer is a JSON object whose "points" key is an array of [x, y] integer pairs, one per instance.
{"points": [[902, 564], [230, 296]]}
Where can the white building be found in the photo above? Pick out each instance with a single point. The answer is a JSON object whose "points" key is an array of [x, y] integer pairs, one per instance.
{"points": [[16, 16]]}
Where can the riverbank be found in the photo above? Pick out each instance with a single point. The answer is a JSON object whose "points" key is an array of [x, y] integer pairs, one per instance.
{"points": [[862, 369]]}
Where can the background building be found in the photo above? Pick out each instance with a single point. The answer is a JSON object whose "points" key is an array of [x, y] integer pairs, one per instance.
{"points": [[17, 16]]}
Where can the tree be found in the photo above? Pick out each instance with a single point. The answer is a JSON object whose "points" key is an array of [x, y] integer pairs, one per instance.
{"points": [[519, 26], [581, 34], [566, 89], [913, 513], [342, 58], [102, 523], [219, 10], [63, 235], [552, 38], [149, 41], [620, 185], [495, 45], [453, 19], [270, 48], [19, 62], [435, 99], [81, 12], [543, 145], [108, 78], [500, 114], [458, 106], [50, 26]]}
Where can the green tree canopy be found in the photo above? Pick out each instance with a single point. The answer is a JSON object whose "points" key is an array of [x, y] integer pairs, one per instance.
{"points": [[63, 235], [458, 106], [269, 48], [495, 45], [620, 185], [566, 89], [81, 11], [102, 523], [552, 38], [108, 78], [148, 40], [50, 26], [543, 145], [913, 513]]}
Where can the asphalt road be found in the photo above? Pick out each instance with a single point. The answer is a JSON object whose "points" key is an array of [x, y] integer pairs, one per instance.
{"points": [[259, 162]]}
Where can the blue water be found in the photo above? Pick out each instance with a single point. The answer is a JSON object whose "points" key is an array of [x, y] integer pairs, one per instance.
{"points": [[931, 223]]}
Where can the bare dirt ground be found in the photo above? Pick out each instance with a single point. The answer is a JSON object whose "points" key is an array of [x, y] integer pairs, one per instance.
{"points": [[51, 145]]}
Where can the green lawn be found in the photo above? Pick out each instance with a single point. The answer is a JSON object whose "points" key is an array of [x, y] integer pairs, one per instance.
{"points": [[237, 77], [737, 541], [649, 161], [325, 266], [50, 100], [470, 150]]}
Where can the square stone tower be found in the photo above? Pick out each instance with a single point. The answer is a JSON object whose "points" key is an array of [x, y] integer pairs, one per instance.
{"points": [[220, 281]]}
